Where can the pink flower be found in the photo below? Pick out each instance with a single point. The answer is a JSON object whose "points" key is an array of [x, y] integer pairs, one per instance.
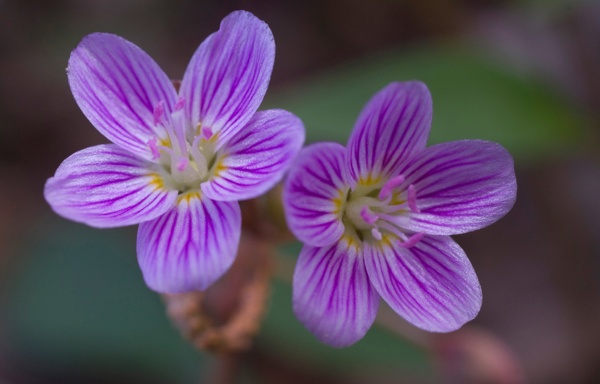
{"points": [[179, 160], [376, 215]]}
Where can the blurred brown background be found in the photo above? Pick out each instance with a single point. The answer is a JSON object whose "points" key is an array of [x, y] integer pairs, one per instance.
{"points": [[539, 267]]}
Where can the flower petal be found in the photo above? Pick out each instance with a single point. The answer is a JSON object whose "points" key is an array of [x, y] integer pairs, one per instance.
{"points": [[117, 86], [228, 75], [314, 193], [461, 186], [432, 284], [392, 127], [332, 295], [256, 157], [191, 246], [105, 186]]}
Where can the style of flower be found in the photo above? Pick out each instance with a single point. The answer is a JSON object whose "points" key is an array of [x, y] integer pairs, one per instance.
{"points": [[179, 159], [376, 216]]}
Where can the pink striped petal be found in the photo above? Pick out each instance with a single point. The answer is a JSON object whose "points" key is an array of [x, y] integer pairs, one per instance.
{"points": [[228, 75], [255, 157], [392, 127], [191, 246], [117, 86], [461, 186], [432, 284], [332, 295], [106, 186], [314, 193]]}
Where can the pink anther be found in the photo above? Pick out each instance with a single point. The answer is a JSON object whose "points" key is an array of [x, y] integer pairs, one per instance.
{"points": [[368, 216], [159, 112], [387, 189], [376, 234], [182, 164], [154, 148], [207, 132], [412, 240], [179, 105], [412, 199]]}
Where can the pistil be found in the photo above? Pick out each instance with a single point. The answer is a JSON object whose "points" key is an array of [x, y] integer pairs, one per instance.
{"points": [[379, 216], [187, 164]]}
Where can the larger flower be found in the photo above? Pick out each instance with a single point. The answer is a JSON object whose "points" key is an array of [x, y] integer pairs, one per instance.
{"points": [[375, 218], [180, 160]]}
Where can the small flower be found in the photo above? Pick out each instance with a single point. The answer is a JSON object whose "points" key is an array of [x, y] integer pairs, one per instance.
{"points": [[375, 218], [180, 160]]}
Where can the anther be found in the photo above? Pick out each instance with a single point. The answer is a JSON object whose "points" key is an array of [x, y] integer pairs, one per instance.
{"points": [[368, 216], [159, 112], [154, 148], [376, 234], [390, 185], [182, 164], [412, 199], [412, 240], [179, 105], [207, 132]]}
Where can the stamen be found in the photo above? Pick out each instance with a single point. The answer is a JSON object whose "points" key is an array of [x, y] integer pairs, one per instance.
{"points": [[376, 234], [412, 199], [167, 150], [182, 163], [389, 227], [412, 240], [195, 144], [179, 126], [390, 185], [187, 163], [393, 208], [398, 220], [159, 112], [175, 143], [387, 214], [154, 148], [207, 132], [179, 105], [368, 216]]}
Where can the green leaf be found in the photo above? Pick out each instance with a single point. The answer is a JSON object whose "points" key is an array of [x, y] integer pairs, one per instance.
{"points": [[78, 303], [473, 97]]}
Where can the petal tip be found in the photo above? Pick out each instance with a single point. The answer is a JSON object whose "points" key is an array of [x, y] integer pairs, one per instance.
{"points": [[242, 16], [190, 247], [332, 295]]}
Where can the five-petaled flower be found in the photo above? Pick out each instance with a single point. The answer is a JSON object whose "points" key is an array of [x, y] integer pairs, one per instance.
{"points": [[180, 159], [376, 216]]}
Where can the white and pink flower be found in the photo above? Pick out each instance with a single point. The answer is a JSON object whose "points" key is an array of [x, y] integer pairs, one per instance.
{"points": [[375, 217], [179, 159]]}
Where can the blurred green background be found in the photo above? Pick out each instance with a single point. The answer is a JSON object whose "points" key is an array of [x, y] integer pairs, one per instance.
{"points": [[73, 305]]}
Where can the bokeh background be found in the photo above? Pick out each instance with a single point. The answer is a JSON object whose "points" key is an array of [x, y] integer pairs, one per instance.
{"points": [[525, 73]]}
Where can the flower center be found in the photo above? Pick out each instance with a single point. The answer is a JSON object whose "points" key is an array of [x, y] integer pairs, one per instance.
{"points": [[380, 211], [187, 155]]}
